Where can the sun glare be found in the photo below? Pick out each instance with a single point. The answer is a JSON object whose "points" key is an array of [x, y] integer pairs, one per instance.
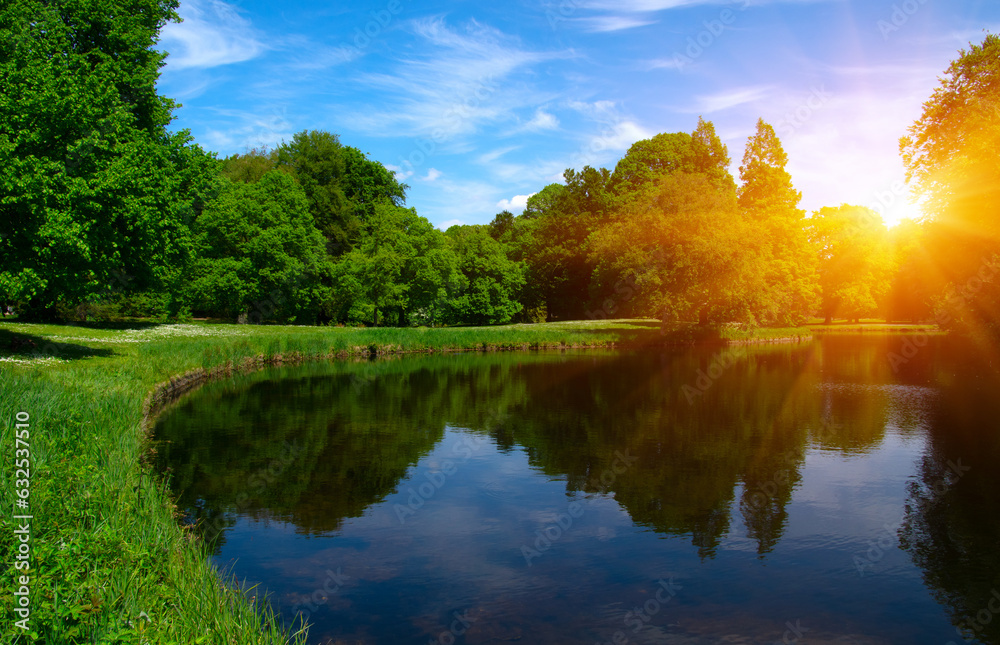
{"points": [[902, 208]]}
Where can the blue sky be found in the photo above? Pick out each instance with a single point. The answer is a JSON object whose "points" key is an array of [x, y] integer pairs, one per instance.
{"points": [[477, 105]]}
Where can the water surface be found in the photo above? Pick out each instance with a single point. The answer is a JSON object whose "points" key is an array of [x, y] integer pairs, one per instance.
{"points": [[815, 493]]}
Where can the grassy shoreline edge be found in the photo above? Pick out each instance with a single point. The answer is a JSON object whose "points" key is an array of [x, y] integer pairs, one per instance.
{"points": [[111, 561]]}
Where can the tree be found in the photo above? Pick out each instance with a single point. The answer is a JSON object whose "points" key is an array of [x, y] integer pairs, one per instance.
{"points": [[490, 281], [913, 283], [543, 201], [315, 158], [368, 183], [259, 255], [648, 160], [93, 184], [248, 167], [855, 261], [710, 155], [343, 185], [558, 258], [950, 154], [402, 265], [502, 223], [787, 288], [680, 250]]}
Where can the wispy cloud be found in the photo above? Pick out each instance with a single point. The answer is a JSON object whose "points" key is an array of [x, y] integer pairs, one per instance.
{"points": [[599, 24], [730, 99], [212, 33], [493, 155], [432, 175], [267, 127], [459, 81]]}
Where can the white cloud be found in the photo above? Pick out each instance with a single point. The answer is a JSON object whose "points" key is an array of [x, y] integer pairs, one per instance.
{"points": [[542, 121], [432, 175], [516, 204], [401, 175], [212, 33], [444, 226]]}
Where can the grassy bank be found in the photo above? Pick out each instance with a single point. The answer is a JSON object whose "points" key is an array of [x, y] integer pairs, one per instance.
{"points": [[109, 562]]}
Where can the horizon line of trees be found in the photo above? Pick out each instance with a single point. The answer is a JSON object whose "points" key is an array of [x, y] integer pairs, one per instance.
{"points": [[104, 212]]}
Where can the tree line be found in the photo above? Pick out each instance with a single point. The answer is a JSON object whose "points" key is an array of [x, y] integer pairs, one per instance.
{"points": [[105, 212]]}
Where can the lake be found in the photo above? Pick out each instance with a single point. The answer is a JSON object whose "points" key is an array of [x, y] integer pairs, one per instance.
{"points": [[841, 491]]}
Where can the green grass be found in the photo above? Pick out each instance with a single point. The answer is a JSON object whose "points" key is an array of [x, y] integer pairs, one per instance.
{"points": [[110, 563], [872, 327]]}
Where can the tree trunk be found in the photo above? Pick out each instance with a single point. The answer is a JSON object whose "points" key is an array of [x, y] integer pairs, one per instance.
{"points": [[703, 316], [829, 320]]}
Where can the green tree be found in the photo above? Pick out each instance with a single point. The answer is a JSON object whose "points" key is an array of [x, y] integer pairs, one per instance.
{"points": [[368, 183], [259, 255], [680, 250], [558, 257], [950, 155], [249, 166], [855, 261], [787, 291], [491, 283], [401, 266], [92, 183], [543, 201], [315, 158], [344, 186]]}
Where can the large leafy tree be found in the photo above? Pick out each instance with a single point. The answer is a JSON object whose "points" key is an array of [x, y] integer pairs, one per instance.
{"points": [[92, 185], [648, 160], [951, 156], [402, 268], [315, 158], [558, 256], [343, 185], [856, 261], [680, 250], [259, 255], [490, 281], [787, 291]]}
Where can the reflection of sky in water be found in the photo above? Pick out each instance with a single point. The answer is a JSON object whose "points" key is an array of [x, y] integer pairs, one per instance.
{"points": [[460, 555], [491, 449]]}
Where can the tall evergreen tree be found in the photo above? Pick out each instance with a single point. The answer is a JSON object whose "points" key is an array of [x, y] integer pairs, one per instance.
{"points": [[786, 290]]}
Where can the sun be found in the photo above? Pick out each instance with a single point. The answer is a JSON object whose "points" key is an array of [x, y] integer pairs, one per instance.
{"points": [[902, 208]]}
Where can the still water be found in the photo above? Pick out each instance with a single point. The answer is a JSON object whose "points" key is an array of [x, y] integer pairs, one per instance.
{"points": [[829, 492]]}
